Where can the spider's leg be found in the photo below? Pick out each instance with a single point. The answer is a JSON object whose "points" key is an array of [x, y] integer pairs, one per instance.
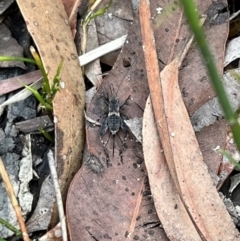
{"points": [[125, 102], [104, 128], [124, 126], [122, 146], [113, 144], [105, 149]]}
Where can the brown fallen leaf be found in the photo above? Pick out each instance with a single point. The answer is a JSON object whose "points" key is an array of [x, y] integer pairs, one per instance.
{"points": [[170, 37], [197, 190], [171, 211], [107, 204], [47, 23], [148, 225], [180, 146], [210, 146]]}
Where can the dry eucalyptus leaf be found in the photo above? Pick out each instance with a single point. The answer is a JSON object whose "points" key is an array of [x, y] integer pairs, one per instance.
{"points": [[171, 211], [47, 23], [11, 84], [114, 193], [197, 190]]}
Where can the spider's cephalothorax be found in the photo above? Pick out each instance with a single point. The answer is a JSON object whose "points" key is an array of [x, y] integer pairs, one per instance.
{"points": [[114, 122]]}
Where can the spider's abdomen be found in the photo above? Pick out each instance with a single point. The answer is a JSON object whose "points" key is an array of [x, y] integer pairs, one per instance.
{"points": [[114, 123]]}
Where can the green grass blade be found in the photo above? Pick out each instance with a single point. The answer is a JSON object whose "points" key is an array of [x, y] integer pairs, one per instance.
{"points": [[11, 58], [10, 227], [46, 85], [100, 11], [46, 135], [56, 81], [230, 158], [39, 98]]}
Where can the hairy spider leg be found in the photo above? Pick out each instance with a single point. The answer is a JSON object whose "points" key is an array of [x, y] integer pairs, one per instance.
{"points": [[104, 147], [125, 102], [113, 143], [122, 146]]}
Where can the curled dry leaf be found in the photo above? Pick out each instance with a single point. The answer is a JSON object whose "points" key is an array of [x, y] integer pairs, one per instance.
{"points": [[171, 211], [196, 188], [47, 22]]}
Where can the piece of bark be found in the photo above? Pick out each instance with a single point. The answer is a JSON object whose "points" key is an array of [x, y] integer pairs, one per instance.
{"points": [[42, 122]]}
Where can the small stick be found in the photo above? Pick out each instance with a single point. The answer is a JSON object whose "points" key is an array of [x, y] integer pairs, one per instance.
{"points": [[14, 201], [54, 176]]}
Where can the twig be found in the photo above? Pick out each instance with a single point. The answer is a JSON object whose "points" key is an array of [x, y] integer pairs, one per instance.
{"points": [[14, 201], [102, 50], [54, 176], [90, 120], [85, 24], [234, 15]]}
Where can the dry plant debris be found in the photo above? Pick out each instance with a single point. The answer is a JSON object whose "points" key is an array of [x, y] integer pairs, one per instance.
{"points": [[118, 202]]}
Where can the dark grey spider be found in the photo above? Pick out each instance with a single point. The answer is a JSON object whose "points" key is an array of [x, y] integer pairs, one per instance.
{"points": [[114, 122]]}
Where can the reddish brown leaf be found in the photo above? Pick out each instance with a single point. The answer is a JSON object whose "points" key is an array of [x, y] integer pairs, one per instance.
{"points": [[108, 206], [170, 38], [210, 140]]}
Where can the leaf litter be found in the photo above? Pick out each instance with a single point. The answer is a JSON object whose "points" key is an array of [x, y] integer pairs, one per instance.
{"points": [[190, 175], [85, 180], [157, 223]]}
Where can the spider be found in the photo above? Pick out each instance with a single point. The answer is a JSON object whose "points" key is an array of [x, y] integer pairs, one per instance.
{"points": [[114, 122]]}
